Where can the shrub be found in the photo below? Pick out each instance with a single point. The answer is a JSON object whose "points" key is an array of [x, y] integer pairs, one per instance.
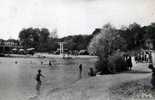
{"points": [[101, 67], [116, 63]]}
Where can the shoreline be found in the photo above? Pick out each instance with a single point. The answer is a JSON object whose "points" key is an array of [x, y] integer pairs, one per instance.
{"points": [[46, 55]]}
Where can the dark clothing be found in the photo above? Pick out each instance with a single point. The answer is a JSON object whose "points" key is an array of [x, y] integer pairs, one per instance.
{"points": [[153, 75], [50, 63], [80, 70], [91, 72], [129, 62], [38, 77], [153, 79]]}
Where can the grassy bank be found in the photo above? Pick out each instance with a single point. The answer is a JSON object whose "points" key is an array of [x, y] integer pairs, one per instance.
{"points": [[134, 90]]}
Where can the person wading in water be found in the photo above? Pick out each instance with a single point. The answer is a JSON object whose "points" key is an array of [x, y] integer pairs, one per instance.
{"points": [[80, 71], [38, 79]]}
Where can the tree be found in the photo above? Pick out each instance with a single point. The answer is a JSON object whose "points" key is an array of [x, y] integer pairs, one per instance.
{"points": [[105, 44], [133, 35], [29, 37], [76, 42], [38, 38], [108, 41], [150, 33], [43, 39], [52, 44]]}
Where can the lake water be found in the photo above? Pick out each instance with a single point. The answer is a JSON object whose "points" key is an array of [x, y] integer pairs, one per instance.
{"points": [[17, 80]]}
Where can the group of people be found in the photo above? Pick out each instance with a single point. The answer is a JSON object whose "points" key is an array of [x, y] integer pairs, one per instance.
{"points": [[39, 75], [91, 71], [128, 61], [146, 57], [143, 56]]}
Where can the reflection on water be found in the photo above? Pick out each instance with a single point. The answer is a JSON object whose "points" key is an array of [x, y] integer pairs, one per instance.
{"points": [[38, 86], [18, 82]]}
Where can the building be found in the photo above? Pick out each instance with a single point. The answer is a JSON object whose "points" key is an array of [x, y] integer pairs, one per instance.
{"points": [[7, 45]]}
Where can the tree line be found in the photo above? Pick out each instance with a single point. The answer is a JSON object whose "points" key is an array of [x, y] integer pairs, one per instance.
{"points": [[111, 44], [45, 41], [133, 37]]}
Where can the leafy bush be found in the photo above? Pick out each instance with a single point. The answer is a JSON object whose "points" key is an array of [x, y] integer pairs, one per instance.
{"points": [[116, 63], [101, 66]]}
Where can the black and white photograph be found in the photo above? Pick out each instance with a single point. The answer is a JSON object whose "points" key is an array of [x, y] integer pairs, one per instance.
{"points": [[77, 49]]}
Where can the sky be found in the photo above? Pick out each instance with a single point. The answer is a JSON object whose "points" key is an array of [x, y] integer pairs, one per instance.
{"points": [[71, 17]]}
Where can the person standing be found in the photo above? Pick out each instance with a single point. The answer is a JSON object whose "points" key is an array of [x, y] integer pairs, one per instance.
{"points": [[129, 61], [41, 62], [50, 63], [153, 75], [39, 82], [91, 72], [80, 71]]}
